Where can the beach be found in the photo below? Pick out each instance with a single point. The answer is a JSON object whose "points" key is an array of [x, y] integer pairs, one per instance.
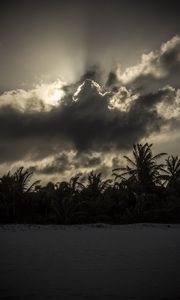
{"points": [[95, 261]]}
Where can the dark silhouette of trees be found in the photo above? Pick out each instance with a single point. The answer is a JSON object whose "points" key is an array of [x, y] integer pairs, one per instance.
{"points": [[145, 190], [172, 176], [14, 188], [93, 195], [143, 170], [67, 201]]}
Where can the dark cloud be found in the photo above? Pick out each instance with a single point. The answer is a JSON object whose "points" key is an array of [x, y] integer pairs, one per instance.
{"points": [[93, 73], [92, 120], [84, 125], [112, 81]]}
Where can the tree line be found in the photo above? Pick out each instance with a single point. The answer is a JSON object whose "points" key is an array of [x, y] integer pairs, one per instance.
{"points": [[144, 190]]}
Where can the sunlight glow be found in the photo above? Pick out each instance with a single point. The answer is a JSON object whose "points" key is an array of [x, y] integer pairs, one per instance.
{"points": [[55, 96], [51, 93]]}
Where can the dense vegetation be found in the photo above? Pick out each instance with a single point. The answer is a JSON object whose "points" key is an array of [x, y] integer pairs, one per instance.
{"points": [[142, 191]]}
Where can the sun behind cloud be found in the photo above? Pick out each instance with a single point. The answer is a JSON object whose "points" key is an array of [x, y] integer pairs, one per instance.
{"points": [[55, 96], [51, 93]]}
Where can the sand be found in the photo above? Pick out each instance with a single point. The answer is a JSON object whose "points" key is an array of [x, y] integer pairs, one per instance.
{"points": [[140, 261]]}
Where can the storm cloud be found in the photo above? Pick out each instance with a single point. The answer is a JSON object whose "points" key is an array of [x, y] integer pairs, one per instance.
{"points": [[90, 119], [89, 123]]}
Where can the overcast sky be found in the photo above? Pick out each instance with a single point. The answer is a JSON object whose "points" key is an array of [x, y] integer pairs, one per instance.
{"points": [[81, 81]]}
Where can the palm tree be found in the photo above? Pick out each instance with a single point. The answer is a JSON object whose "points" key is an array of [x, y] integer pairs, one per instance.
{"points": [[172, 176], [7, 194], [47, 194], [22, 179], [93, 195], [14, 186], [95, 183], [67, 203], [143, 170], [72, 187]]}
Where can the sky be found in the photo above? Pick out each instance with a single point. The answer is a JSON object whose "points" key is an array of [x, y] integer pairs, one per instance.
{"points": [[81, 81]]}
